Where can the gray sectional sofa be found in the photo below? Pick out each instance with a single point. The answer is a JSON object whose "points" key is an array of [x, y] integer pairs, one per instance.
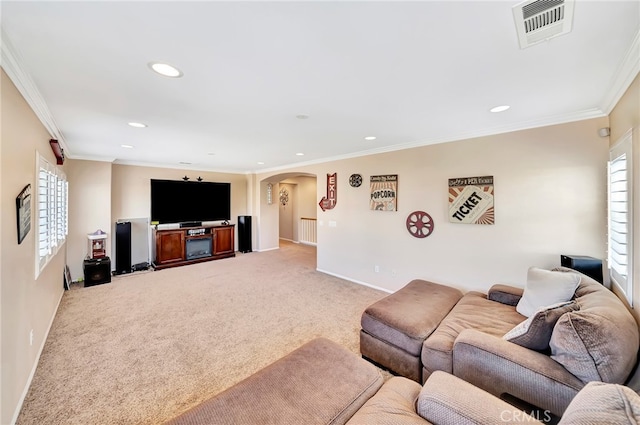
{"points": [[322, 383], [597, 339], [464, 353]]}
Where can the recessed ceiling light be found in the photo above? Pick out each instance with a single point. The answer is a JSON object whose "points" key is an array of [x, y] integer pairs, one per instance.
{"points": [[300, 154], [127, 146], [211, 153], [370, 138], [302, 116], [260, 163], [165, 69], [500, 108], [137, 124], [184, 163]]}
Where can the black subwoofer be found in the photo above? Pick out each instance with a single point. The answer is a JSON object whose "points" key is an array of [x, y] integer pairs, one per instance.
{"points": [[590, 266], [97, 271], [244, 233]]}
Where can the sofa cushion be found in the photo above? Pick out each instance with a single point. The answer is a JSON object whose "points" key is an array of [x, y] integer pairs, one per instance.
{"points": [[473, 311], [505, 294], [393, 404], [446, 399], [600, 341], [535, 332], [603, 404], [546, 287]]}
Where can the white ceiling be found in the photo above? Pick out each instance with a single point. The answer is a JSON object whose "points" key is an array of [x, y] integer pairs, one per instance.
{"points": [[409, 73]]}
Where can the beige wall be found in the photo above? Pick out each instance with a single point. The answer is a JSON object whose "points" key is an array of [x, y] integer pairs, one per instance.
{"points": [[550, 199], [2, 215], [625, 116], [89, 209], [307, 202], [268, 227], [286, 213], [131, 188], [26, 303]]}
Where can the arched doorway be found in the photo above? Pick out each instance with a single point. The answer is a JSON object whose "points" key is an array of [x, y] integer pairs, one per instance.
{"points": [[287, 209]]}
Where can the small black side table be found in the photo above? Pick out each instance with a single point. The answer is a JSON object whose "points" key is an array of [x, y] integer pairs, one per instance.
{"points": [[97, 271]]}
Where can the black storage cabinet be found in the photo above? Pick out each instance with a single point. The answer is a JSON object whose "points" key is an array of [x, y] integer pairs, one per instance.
{"points": [[590, 266]]}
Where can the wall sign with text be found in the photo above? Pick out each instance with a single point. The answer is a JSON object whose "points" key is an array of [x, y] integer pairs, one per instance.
{"points": [[329, 201], [384, 193], [471, 200]]}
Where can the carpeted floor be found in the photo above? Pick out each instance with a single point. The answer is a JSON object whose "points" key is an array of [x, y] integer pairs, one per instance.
{"points": [[147, 346]]}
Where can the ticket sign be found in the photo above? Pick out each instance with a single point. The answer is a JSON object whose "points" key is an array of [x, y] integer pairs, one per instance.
{"points": [[471, 200]]}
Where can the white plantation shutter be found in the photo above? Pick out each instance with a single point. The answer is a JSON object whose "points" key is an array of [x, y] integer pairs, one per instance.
{"points": [[44, 247], [53, 212], [620, 204]]}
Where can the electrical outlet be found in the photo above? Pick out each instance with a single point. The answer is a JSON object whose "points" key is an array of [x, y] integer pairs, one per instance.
{"points": [[376, 269], [31, 337]]}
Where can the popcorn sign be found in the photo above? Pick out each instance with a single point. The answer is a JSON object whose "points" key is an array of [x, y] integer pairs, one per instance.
{"points": [[384, 193]]}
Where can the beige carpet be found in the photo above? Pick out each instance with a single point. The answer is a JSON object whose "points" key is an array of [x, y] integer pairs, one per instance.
{"points": [[148, 346]]}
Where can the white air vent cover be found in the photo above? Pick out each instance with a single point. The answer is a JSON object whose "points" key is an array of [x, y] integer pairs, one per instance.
{"points": [[540, 20]]}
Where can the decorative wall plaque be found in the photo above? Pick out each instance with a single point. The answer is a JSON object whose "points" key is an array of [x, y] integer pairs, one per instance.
{"points": [[329, 201], [471, 200], [355, 180], [23, 212], [384, 193]]}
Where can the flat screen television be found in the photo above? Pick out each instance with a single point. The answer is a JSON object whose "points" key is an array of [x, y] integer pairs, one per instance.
{"points": [[178, 201]]}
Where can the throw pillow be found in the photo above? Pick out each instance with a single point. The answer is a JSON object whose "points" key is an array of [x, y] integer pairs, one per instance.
{"points": [[546, 287], [535, 332]]}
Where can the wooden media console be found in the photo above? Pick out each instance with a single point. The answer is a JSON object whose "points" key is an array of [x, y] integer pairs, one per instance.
{"points": [[189, 245]]}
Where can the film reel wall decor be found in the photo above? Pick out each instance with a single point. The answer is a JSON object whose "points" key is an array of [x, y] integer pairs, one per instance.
{"points": [[420, 224]]}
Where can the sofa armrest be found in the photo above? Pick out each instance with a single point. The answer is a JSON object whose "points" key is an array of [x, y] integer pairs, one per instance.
{"points": [[445, 399], [501, 367], [505, 294]]}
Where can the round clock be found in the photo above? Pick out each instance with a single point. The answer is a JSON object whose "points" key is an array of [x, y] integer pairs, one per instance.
{"points": [[355, 180]]}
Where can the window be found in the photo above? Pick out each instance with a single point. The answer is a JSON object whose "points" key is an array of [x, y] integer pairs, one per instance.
{"points": [[620, 215], [53, 213]]}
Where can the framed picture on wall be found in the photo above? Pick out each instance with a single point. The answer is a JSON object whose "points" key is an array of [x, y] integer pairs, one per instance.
{"points": [[471, 200], [384, 193], [67, 277], [23, 212]]}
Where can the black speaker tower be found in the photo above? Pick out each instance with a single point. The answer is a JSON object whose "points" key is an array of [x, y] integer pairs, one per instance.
{"points": [[123, 247], [244, 233]]}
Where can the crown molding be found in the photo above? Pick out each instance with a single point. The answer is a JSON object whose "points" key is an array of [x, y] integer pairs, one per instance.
{"points": [[12, 65], [184, 167], [624, 76], [525, 125]]}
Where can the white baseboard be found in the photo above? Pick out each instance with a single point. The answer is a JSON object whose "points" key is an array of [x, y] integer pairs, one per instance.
{"points": [[359, 282], [308, 243], [35, 365], [268, 249]]}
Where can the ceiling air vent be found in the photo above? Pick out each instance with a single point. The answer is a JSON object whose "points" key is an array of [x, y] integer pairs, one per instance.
{"points": [[540, 20]]}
